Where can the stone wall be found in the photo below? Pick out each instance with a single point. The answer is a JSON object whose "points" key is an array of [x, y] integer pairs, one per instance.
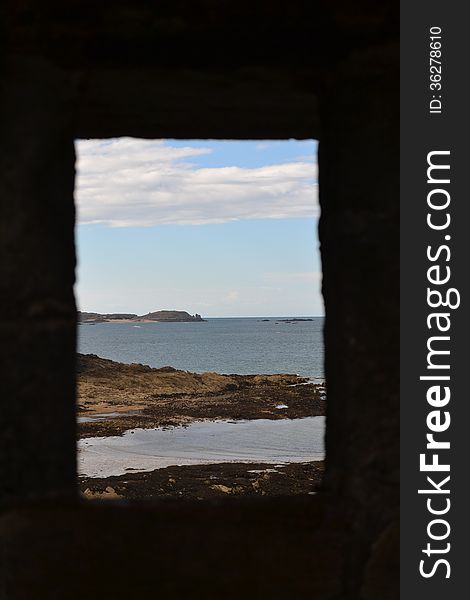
{"points": [[200, 69]]}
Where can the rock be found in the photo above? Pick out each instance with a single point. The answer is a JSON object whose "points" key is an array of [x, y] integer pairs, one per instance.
{"points": [[141, 396], [108, 494], [222, 488]]}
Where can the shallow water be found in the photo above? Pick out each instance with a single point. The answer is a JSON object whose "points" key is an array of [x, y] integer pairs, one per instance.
{"points": [[204, 442]]}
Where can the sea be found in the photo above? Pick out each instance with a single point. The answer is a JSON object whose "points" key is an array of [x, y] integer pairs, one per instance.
{"points": [[223, 345]]}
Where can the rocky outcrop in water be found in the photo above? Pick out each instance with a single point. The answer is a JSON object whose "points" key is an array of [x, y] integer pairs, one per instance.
{"points": [[140, 396], [168, 316]]}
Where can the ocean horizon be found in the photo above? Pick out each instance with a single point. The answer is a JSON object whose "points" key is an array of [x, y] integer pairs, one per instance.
{"points": [[243, 345]]}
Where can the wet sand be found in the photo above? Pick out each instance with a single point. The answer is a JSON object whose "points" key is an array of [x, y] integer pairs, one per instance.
{"points": [[204, 442]]}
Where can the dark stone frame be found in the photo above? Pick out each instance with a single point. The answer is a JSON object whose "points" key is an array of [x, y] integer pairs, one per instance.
{"points": [[126, 68]]}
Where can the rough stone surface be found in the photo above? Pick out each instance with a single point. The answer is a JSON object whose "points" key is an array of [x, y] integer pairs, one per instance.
{"points": [[37, 454], [227, 548], [359, 191], [207, 69]]}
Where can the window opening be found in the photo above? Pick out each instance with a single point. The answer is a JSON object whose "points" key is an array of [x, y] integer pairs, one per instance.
{"points": [[200, 344]]}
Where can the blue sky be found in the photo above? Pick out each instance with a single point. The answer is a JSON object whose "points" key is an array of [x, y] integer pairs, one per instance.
{"points": [[219, 228]]}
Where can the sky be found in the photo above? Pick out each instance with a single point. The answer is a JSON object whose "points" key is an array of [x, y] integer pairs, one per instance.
{"points": [[219, 228]]}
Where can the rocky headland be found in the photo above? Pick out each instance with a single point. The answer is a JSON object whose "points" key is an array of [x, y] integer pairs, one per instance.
{"points": [[159, 316]]}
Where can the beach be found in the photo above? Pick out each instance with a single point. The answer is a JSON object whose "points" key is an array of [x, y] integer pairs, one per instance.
{"points": [[115, 399]]}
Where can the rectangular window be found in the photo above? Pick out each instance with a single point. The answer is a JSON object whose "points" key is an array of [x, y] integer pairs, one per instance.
{"points": [[200, 366]]}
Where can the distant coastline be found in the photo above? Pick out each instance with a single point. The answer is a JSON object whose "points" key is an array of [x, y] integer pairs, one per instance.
{"points": [[159, 316]]}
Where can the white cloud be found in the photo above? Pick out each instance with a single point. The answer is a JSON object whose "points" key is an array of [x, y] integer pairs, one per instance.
{"points": [[130, 182]]}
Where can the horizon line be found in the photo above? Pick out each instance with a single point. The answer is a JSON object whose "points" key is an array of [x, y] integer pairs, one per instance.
{"points": [[220, 316]]}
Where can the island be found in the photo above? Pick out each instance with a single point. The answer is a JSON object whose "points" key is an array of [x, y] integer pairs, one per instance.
{"points": [[159, 316], [295, 320]]}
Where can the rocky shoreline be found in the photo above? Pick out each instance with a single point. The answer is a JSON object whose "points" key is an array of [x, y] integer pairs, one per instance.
{"points": [[115, 397], [139, 396], [201, 482]]}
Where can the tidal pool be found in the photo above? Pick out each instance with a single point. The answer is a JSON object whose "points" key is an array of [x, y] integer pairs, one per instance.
{"points": [[203, 442]]}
